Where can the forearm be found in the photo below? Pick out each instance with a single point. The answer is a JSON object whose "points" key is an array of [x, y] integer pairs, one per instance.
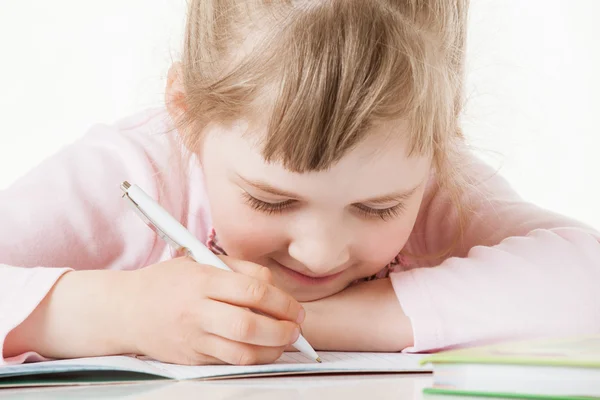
{"points": [[364, 317], [83, 315]]}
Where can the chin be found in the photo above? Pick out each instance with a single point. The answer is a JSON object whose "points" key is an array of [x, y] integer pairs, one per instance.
{"points": [[306, 294]]}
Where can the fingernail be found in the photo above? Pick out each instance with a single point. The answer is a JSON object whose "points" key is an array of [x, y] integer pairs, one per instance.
{"points": [[301, 316], [296, 335]]}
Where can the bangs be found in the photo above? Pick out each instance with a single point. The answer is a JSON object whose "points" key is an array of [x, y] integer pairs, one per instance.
{"points": [[333, 70]]}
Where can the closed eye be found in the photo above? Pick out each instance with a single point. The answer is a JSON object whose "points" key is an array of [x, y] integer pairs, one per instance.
{"points": [[266, 207], [364, 211], [384, 213]]}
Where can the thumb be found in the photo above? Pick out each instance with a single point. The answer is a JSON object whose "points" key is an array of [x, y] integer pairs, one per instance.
{"points": [[248, 268]]}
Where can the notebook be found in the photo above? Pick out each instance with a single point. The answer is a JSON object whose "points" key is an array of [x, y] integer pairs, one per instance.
{"points": [[125, 369], [565, 368]]}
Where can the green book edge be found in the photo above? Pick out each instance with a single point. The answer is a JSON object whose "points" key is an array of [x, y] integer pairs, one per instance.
{"points": [[452, 392], [581, 351]]}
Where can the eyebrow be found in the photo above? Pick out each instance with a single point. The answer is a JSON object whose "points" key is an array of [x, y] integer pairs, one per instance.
{"points": [[392, 197], [265, 187], [387, 198]]}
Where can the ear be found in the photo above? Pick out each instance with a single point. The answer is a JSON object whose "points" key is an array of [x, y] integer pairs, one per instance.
{"points": [[176, 105], [175, 91]]}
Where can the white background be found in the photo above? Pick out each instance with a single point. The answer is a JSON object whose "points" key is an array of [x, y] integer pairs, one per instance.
{"points": [[532, 85]]}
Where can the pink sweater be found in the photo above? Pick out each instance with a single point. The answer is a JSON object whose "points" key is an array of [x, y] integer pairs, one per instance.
{"points": [[520, 270]]}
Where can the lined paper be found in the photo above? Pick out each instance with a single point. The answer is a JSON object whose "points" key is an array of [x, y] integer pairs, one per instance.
{"points": [[294, 362]]}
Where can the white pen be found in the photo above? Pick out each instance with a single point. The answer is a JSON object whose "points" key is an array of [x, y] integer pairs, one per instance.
{"points": [[176, 235]]}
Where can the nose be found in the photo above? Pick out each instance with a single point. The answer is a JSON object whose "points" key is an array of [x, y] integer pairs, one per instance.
{"points": [[321, 251]]}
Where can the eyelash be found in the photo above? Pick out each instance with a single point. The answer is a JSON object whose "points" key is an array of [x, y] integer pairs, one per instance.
{"points": [[269, 208], [277, 208], [385, 213]]}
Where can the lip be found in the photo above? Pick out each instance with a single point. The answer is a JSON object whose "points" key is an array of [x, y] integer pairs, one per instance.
{"points": [[308, 280]]}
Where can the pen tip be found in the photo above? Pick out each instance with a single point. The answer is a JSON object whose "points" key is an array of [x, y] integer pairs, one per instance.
{"points": [[319, 360]]}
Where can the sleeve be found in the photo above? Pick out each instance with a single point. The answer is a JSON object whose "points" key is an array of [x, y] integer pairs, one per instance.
{"points": [[68, 213], [519, 271]]}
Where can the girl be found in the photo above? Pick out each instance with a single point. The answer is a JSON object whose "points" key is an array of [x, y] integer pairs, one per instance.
{"points": [[316, 144]]}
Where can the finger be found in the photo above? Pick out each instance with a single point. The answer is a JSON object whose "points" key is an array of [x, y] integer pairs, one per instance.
{"points": [[236, 353], [248, 292], [242, 325], [248, 268]]}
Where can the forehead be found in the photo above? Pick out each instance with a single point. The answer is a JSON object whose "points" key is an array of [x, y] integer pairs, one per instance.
{"points": [[375, 166]]}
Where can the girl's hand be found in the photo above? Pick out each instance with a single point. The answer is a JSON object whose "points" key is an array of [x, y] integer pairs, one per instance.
{"points": [[188, 313]]}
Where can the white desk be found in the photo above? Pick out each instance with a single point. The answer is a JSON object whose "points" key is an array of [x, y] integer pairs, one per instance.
{"points": [[332, 387]]}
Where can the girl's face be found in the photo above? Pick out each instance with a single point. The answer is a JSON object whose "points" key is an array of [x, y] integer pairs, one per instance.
{"points": [[317, 231]]}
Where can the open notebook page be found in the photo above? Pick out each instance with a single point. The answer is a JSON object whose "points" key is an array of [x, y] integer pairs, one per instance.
{"points": [[297, 363], [289, 363]]}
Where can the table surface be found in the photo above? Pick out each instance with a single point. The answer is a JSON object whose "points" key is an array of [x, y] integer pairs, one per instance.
{"points": [[347, 387]]}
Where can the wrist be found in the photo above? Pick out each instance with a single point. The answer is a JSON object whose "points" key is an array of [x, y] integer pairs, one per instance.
{"points": [[128, 316], [99, 303], [81, 316]]}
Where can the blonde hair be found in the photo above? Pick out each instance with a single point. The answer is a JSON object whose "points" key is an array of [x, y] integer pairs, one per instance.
{"points": [[325, 71]]}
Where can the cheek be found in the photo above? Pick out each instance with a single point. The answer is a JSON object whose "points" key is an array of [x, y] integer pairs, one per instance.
{"points": [[380, 243], [243, 232]]}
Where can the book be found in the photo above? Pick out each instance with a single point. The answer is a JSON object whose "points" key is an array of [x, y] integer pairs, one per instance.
{"points": [[126, 369], [559, 368]]}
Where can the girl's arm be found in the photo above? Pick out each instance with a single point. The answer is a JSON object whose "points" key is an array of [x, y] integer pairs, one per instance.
{"points": [[82, 313], [529, 272], [520, 271], [68, 213], [364, 317], [492, 212]]}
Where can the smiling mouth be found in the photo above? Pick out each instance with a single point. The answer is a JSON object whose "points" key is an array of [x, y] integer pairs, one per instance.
{"points": [[311, 280]]}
